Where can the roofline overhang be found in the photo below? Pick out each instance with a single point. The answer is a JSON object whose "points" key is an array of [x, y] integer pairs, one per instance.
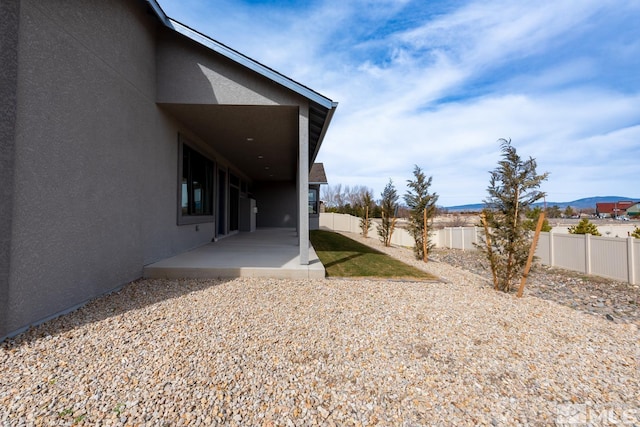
{"points": [[241, 59], [331, 111], [312, 96]]}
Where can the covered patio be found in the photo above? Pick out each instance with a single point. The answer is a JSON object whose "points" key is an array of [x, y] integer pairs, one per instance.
{"points": [[267, 252], [257, 133]]}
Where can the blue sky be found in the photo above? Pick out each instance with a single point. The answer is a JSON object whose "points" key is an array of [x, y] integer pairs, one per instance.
{"points": [[437, 83]]}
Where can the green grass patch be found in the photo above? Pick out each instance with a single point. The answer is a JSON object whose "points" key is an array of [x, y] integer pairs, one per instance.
{"points": [[344, 257]]}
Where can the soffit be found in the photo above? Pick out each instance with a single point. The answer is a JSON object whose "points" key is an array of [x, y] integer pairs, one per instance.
{"points": [[261, 141]]}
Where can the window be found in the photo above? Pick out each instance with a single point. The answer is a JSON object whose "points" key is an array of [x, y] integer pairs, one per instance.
{"points": [[196, 187], [313, 200]]}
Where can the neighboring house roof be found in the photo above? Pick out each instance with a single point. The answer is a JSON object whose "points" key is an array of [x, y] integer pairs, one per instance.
{"points": [[321, 108], [634, 210], [614, 207], [317, 175]]}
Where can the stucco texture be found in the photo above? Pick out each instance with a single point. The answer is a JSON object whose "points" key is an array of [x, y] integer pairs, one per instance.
{"points": [[9, 20], [90, 148], [95, 158]]}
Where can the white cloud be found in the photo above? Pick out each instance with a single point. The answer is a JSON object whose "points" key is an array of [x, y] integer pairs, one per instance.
{"points": [[438, 89], [457, 143]]}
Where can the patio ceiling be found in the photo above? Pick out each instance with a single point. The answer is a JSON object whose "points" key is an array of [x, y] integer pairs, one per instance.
{"points": [[261, 141]]}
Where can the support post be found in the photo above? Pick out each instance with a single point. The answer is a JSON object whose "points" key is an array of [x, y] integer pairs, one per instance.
{"points": [[631, 261], [424, 235], [551, 255], [303, 184], [532, 252], [587, 253], [365, 231]]}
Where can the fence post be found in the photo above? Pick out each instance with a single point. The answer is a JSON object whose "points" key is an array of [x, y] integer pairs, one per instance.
{"points": [[551, 263], [462, 237], [475, 235], [631, 261], [587, 253]]}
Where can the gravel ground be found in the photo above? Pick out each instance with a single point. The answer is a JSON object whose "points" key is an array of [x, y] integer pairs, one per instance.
{"points": [[326, 352], [616, 301]]}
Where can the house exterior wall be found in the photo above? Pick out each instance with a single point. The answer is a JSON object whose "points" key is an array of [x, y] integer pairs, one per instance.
{"points": [[9, 25], [314, 218], [634, 211], [189, 74], [276, 203], [89, 160], [95, 160]]}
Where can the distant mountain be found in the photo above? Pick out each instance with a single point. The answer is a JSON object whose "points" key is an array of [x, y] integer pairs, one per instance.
{"points": [[471, 208], [589, 202]]}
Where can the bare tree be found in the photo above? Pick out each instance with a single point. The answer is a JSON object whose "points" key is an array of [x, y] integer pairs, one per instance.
{"points": [[331, 195], [456, 220]]}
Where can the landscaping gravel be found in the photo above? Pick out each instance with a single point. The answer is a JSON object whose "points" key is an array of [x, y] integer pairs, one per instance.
{"points": [[267, 352], [613, 300], [616, 301]]}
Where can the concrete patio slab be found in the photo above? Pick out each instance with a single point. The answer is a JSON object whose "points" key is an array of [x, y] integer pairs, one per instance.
{"points": [[267, 252]]}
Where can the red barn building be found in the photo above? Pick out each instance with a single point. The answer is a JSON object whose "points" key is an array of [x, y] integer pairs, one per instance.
{"points": [[613, 209]]}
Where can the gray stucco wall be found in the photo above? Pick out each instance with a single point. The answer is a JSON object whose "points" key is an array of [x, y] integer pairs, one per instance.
{"points": [[314, 222], [9, 24], [277, 204], [89, 166], [191, 74], [95, 159]]}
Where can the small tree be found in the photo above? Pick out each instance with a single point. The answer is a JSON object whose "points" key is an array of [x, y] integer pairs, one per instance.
{"points": [[365, 220], [636, 233], [531, 222], [569, 212], [585, 227], [512, 189], [418, 199], [389, 204]]}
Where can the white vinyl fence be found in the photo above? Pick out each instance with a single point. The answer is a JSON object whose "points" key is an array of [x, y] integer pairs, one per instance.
{"points": [[351, 224], [611, 257], [457, 237]]}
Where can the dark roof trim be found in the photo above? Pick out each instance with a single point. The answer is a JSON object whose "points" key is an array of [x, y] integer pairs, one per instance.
{"points": [[242, 59], [319, 122]]}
